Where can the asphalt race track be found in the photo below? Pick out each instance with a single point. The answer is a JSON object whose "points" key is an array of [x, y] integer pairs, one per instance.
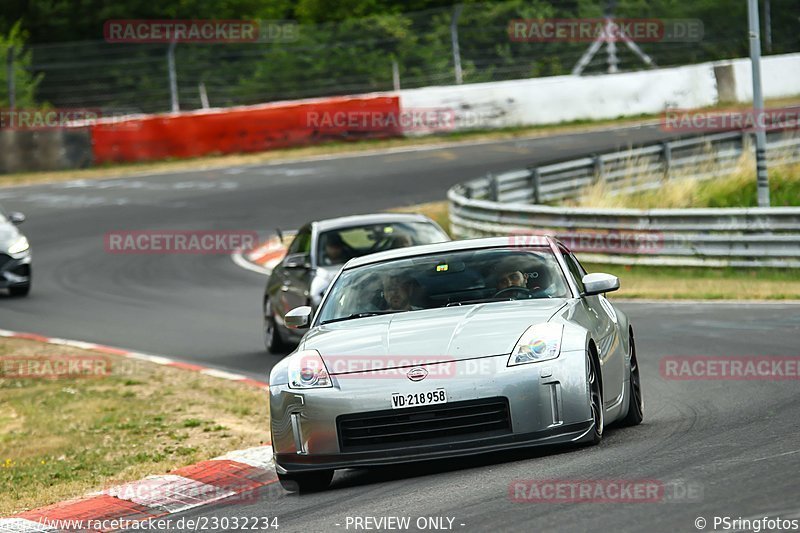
{"points": [[726, 448]]}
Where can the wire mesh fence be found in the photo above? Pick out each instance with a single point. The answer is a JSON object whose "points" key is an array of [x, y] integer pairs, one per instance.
{"points": [[354, 56]]}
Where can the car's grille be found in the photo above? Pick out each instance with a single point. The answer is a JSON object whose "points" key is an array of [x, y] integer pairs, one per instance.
{"points": [[4, 259], [417, 426]]}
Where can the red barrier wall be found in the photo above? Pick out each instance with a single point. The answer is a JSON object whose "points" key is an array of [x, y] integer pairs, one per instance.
{"points": [[245, 129]]}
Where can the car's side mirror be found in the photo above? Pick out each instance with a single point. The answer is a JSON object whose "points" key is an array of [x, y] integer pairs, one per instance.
{"points": [[299, 317], [599, 283], [296, 261], [16, 218]]}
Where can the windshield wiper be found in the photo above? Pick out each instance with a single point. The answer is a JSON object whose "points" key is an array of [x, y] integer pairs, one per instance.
{"points": [[479, 301], [360, 315]]}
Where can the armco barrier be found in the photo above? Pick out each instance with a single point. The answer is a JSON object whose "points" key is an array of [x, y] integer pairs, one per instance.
{"points": [[506, 204], [245, 129]]}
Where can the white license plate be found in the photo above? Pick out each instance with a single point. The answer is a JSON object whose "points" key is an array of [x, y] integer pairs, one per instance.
{"points": [[417, 399]]}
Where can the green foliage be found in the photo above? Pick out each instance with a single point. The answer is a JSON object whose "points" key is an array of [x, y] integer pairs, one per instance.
{"points": [[25, 81], [344, 46]]}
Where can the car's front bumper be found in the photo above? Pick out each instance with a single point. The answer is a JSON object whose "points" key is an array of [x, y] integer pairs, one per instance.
{"points": [[15, 271], [548, 403]]}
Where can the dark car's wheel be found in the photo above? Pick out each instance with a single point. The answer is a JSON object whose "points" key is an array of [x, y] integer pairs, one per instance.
{"points": [[596, 400], [21, 290], [307, 481], [273, 341], [636, 402]]}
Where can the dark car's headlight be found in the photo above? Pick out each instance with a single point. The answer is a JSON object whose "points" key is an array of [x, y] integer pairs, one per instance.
{"points": [[307, 371], [540, 342]]}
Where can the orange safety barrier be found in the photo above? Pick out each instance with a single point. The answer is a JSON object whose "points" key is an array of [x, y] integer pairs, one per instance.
{"points": [[245, 129]]}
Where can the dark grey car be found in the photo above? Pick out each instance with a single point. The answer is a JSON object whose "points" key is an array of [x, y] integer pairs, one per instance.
{"points": [[319, 250], [15, 255]]}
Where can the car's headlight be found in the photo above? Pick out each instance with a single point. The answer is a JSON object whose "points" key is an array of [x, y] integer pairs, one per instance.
{"points": [[307, 371], [540, 342], [19, 246]]}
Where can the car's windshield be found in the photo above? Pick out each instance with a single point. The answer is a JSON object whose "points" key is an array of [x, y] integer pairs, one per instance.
{"points": [[336, 247], [446, 279]]}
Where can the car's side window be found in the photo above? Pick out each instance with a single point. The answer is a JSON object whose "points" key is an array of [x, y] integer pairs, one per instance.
{"points": [[580, 266], [301, 243], [574, 268]]}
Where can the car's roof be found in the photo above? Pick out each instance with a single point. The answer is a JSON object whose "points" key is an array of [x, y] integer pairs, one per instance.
{"points": [[450, 246], [376, 218]]}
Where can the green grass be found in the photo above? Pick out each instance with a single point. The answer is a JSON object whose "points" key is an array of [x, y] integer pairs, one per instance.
{"points": [[737, 189], [702, 283], [61, 438], [740, 190]]}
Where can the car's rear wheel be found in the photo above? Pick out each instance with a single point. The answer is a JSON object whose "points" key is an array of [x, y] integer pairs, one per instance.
{"points": [[635, 400], [273, 341], [21, 290], [596, 400], [307, 481]]}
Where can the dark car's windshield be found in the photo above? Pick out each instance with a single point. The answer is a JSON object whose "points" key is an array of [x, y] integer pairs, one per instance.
{"points": [[336, 247], [447, 279]]}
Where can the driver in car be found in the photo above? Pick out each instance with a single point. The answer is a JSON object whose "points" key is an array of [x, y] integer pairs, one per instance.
{"points": [[512, 272], [511, 278], [508, 272], [336, 252], [397, 290]]}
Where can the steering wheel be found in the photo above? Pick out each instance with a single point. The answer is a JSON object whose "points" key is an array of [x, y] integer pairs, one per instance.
{"points": [[538, 292], [527, 293]]}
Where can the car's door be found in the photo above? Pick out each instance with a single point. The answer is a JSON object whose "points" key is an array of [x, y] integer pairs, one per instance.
{"points": [[294, 276], [599, 318]]}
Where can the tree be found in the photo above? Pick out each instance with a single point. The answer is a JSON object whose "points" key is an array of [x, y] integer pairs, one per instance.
{"points": [[25, 81]]}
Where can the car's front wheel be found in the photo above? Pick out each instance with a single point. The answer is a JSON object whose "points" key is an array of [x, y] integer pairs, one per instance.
{"points": [[596, 400], [273, 341], [307, 481], [635, 400]]}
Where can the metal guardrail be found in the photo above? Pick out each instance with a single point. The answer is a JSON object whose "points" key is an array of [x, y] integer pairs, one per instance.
{"points": [[509, 203]]}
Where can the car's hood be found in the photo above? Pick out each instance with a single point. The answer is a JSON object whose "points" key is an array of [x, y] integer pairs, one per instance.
{"points": [[8, 234], [443, 334]]}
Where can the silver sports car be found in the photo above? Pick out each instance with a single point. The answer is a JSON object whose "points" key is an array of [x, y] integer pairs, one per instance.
{"points": [[452, 349]]}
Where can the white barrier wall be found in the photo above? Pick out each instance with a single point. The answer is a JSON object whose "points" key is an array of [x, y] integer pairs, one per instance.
{"points": [[556, 99], [780, 77]]}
